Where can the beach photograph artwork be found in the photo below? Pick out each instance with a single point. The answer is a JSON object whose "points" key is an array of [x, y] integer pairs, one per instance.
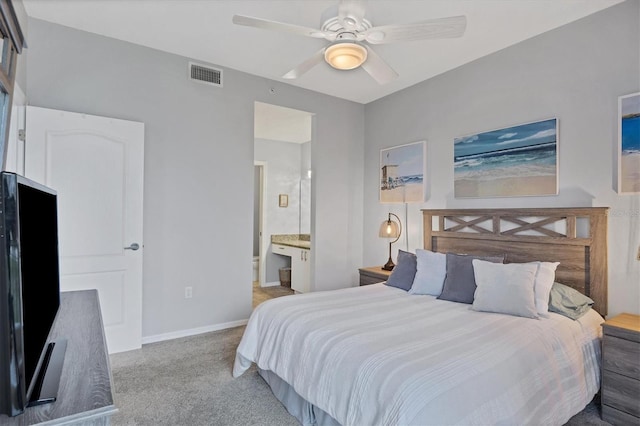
{"points": [[629, 143], [512, 162], [402, 173]]}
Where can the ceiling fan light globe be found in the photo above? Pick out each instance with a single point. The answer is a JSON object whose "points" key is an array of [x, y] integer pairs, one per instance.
{"points": [[345, 56]]}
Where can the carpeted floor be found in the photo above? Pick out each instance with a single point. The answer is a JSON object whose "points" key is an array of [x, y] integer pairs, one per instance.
{"points": [[188, 381]]}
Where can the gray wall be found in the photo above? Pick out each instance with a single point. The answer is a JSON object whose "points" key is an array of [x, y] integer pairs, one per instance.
{"points": [[574, 73], [198, 168]]}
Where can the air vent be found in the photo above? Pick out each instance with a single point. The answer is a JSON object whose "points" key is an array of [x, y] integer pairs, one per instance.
{"points": [[205, 74]]}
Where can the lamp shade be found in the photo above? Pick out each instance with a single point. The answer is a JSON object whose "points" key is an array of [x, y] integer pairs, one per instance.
{"points": [[345, 55], [389, 229]]}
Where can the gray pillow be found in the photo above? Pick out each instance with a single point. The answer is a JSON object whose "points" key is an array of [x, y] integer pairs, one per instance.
{"points": [[569, 302], [404, 272], [460, 283]]}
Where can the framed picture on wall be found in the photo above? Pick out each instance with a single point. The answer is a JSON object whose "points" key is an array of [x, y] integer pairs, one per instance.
{"points": [[515, 161], [402, 170], [629, 143]]}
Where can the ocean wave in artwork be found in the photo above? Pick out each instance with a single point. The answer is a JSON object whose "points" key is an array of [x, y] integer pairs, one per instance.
{"points": [[411, 179], [508, 172], [537, 160]]}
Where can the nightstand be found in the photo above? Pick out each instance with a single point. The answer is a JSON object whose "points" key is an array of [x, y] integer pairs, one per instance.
{"points": [[373, 275], [621, 369]]}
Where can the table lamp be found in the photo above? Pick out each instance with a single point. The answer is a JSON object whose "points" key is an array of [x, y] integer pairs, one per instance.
{"points": [[392, 230]]}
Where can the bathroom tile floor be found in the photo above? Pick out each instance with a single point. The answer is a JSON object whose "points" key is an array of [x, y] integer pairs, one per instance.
{"points": [[260, 294]]}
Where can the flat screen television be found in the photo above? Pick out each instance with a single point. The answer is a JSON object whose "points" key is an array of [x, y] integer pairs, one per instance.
{"points": [[30, 364]]}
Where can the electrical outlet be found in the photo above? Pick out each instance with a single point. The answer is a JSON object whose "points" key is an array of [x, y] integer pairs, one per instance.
{"points": [[188, 292]]}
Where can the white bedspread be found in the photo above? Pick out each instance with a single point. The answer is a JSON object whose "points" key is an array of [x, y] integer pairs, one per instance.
{"points": [[376, 355]]}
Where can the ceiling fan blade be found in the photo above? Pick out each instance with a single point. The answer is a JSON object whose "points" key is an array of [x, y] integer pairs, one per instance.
{"points": [[451, 27], [351, 13], [306, 65], [279, 26], [378, 68]]}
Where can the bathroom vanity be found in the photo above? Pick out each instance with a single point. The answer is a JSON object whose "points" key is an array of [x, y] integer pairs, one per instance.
{"points": [[298, 248]]}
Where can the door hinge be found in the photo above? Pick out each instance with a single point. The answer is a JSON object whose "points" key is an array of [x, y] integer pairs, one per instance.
{"points": [[22, 135]]}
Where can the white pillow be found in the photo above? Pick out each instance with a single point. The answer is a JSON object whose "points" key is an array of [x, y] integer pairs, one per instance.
{"points": [[431, 270], [505, 288], [545, 276]]}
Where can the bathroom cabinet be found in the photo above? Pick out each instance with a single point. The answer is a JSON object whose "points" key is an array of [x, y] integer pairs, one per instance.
{"points": [[300, 266]]}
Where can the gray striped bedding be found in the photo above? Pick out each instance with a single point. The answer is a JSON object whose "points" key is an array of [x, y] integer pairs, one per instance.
{"points": [[376, 355]]}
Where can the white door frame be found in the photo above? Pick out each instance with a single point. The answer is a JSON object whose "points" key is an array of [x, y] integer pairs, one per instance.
{"points": [[262, 250], [14, 161]]}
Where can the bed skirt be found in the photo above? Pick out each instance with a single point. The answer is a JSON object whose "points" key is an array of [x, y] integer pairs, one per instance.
{"points": [[306, 413]]}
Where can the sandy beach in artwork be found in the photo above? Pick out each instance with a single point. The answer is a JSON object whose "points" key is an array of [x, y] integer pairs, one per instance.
{"points": [[506, 187], [630, 172], [402, 194]]}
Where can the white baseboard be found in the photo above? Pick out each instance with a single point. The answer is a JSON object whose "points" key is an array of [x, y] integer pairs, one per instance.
{"points": [[271, 284], [192, 332]]}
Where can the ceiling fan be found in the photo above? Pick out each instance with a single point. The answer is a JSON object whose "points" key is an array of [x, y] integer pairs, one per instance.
{"points": [[350, 35]]}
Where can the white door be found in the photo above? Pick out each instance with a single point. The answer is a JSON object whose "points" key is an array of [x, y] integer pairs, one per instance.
{"points": [[96, 166]]}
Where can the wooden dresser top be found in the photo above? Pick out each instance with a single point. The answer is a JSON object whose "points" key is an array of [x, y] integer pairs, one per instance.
{"points": [[625, 321]]}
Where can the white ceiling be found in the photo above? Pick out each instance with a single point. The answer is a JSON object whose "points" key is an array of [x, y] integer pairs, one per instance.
{"points": [[202, 30]]}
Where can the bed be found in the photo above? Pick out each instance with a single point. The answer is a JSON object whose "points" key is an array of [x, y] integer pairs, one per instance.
{"points": [[376, 355]]}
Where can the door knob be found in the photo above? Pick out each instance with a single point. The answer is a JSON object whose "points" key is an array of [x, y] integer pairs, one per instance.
{"points": [[134, 247]]}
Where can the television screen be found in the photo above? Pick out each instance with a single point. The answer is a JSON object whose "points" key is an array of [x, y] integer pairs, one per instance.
{"points": [[37, 218]]}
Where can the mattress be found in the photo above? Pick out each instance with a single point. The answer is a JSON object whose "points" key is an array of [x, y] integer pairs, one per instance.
{"points": [[376, 355]]}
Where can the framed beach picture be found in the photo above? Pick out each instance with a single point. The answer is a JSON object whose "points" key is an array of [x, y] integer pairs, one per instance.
{"points": [[402, 173], [515, 161], [629, 143]]}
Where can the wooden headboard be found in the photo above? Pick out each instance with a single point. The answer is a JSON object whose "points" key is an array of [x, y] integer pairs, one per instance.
{"points": [[526, 235]]}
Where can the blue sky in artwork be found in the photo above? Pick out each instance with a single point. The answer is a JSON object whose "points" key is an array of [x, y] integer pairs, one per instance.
{"points": [[524, 135], [408, 158]]}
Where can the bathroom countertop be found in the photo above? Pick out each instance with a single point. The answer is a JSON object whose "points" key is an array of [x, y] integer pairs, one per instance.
{"points": [[292, 240], [295, 243]]}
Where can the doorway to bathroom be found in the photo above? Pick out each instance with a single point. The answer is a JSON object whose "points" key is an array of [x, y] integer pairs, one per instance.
{"points": [[282, 189]]}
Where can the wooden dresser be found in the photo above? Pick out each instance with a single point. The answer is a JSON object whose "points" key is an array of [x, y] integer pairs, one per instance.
{"points": [[85, 394], [621, 370], [373, 275]]}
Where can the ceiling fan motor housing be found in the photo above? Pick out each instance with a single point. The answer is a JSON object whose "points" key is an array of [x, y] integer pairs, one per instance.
{"points": [[334, 25]]}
